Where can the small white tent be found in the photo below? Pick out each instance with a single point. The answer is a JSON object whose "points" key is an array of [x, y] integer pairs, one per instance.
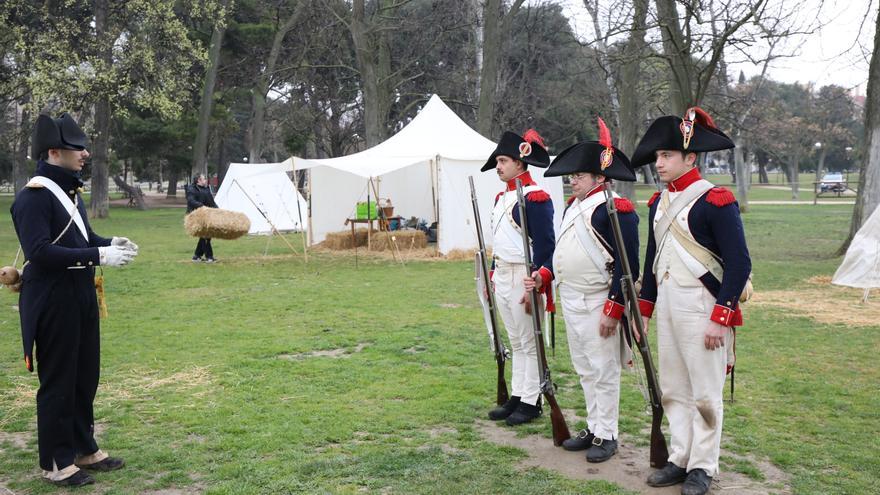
{"points": [[423, 170], [861, 265], [265, 193]]}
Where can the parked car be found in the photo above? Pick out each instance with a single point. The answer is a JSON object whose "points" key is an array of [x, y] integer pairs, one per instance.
{"points": [[832, 182]]}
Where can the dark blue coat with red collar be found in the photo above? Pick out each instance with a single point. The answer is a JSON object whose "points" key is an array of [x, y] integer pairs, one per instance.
{"points": [[629, 229], [539, 213], [715, 223], [39, 218]]}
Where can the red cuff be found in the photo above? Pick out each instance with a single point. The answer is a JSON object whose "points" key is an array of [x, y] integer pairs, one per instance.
{"points": [[546, 276], [491, 274], [613, 309], [646, 308], [726, 316]]}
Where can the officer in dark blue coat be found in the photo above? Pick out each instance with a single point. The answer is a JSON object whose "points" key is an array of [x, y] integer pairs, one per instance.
{"points": [[696, 266], [58, 304], [510, 161], [588, 271]]}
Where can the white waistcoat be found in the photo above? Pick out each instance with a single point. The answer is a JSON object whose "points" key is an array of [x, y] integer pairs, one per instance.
{"points": [[572, 265], [671, 258], [506, 234]]}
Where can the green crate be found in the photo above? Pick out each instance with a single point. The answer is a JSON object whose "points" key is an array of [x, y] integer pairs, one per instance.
{"points": [[362, 210]]}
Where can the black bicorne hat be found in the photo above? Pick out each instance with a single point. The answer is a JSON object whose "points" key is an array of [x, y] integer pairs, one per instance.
{"points": [[695, 133], [61, 133], [528, 148], [595, 157]]}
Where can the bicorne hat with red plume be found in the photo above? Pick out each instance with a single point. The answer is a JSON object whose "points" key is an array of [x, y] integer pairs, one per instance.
{"points": [[528, 148], [595, 157], [696, 132]]}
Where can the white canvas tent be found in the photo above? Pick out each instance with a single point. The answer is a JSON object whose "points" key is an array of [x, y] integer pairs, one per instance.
{"points": [[861, 265], [423, 170], [265, 193]]}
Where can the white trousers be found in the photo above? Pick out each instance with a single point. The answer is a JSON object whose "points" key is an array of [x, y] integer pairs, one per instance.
{"points": [[509, 290], [596, 359], [691, 377]]}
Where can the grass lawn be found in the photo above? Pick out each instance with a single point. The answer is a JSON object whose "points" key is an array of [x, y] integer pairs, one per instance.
{"points": [[267, 375]]}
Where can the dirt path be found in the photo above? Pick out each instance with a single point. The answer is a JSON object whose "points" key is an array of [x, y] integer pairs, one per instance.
{"points": [[628, 468]]}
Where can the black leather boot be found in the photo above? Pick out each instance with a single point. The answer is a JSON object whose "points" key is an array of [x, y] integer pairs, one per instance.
{"points": [[669, 475], [697, 483], [504, 410], [601, 450], [524, 413], [581, 441]]}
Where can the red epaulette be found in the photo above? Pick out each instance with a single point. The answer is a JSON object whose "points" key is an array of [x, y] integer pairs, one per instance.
{"points": [[624, 205], [498, 196], [720, 196], [538, 197], [571, 199], [654, 198]]}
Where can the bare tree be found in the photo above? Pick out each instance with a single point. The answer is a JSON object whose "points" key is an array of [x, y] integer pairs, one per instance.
{"points": [[869, 174], [200, 147], [496, 26]]}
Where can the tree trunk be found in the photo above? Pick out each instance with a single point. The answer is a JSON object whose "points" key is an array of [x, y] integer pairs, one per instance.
{"points": [[763, 178], [680, 80], [99, 206], [173, 177], [222, 163], [264, 83], [496, 24], [630, 115], [743, 174], [793, 176], [869, 173], [200, 147], [374, 63], [20, 164], [820, 168], [134, 193]]}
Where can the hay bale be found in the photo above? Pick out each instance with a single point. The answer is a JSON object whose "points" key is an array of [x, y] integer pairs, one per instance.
{"points": [[405, 240], [343, 240], [215, 223]]}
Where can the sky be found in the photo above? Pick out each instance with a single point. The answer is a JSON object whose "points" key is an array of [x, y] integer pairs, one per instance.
{"points": [[838, 52]]}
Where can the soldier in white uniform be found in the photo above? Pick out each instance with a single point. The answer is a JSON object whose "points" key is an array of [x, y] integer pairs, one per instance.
{"points": [[696, 267], [588, 271], [510, 161]]}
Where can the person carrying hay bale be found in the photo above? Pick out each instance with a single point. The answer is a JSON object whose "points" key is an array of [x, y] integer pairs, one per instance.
{"points": [[58, 304], [198, 194]]}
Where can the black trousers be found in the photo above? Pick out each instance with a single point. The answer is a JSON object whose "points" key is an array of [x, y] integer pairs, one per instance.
{"points": [[68, 365], [203, 248]]}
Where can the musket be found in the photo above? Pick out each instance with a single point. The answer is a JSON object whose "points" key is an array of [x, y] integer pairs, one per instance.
{"points": [[560, 429], [659, 453], [501, 353]]}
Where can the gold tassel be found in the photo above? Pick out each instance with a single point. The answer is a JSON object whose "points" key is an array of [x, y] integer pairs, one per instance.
{"points": [[99, 289]]}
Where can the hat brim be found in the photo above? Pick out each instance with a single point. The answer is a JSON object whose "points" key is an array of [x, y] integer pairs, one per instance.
{"points": [[586, 157]]}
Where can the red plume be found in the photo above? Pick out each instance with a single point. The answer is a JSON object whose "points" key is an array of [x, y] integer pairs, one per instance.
{"points": [[604, 134], [533, 137], [703, 118]]}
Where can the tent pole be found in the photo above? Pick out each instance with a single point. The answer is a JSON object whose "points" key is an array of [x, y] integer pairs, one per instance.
{"points": [[299, 212], [381, 214], [369, 217], [274, 230], [309, 204], [435, 186]]}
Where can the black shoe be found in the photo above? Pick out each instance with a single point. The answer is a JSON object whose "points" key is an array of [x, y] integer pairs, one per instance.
{"points": [[669, 475], [79, 478], [524, 413], [601, 450], [108, 464], [196, 259], [697, 483], [581, 441], [504, 410]]}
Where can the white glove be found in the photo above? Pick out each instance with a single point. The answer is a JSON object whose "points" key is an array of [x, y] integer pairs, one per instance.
{"points": [[115, 255], [125, 243]]}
